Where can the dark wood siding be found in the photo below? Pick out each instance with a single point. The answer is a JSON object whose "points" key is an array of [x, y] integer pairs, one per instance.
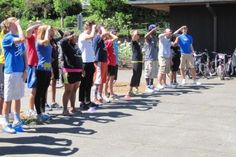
{"points": [[200, 23]]}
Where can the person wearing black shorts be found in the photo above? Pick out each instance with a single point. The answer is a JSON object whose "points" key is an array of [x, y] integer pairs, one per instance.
{"points": [[72, 70], [55, 64], [175, 61]]}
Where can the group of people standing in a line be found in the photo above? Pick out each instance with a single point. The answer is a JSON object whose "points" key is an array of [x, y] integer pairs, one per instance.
{"points": [[163, 56], [90, 60]]}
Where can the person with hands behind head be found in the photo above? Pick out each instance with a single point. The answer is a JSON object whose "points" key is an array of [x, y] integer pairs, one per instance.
{"points": [[55, 65], [151, 59], [111, 62], [72, 70], [100, 64], [14, 73], [85, 44], [43, 70], [185, 42], [31, 34], [164, 57], [137, 62]]}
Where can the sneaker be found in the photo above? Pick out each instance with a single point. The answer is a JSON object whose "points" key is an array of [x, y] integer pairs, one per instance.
{"points": [[47, 116], [107, 100], [149, 90], [43, 118], [48, 107], [131, 94], [151, 87], [91, 104], [173, 86], [183, 82], [9, 129], [83, 106], [160, 87], [55, 105], [31, 114], [114, 97], [196, 83], [98, 101], [18, 127], [92, 109]]}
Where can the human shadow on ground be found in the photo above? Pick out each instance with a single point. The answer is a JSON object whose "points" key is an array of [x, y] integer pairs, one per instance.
{"points": [[134, 103], [24, 146]]}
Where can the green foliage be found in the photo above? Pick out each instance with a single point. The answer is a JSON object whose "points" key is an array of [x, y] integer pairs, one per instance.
{"points": [[70, 21], [125, 54]]}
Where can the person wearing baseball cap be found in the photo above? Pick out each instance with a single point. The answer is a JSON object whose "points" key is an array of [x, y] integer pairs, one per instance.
{"points": [[151, 59]]}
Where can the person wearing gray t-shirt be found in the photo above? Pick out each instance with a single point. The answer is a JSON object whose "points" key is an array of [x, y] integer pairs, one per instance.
{"points": [[151, 59]]}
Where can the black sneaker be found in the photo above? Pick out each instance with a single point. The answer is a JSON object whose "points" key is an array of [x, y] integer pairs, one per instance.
{"points": [[91, 104], [83, 106]]}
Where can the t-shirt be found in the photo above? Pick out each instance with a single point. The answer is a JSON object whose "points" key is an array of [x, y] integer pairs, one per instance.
{"points": [[151, 49], [14, 54], [185, 42], [175, 49], [44, 56], [31, 50], [86, 47], [164, 46], [1, 49], [111, 56], [100, 49], [116, 48], [136, 51], [71, 55]]}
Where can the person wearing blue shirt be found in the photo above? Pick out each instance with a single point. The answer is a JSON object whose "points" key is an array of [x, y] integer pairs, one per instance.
{"points": [[14, 73], [43, 70], [185, 42]]}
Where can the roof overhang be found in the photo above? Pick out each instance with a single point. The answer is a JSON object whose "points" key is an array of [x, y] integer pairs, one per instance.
{"points": [[165, 4]]}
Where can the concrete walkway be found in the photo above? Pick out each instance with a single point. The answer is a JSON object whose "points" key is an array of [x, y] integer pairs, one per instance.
{"points": [[184, 122]]}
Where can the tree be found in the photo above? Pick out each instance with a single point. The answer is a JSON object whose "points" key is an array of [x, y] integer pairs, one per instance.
{"points": [[62, 6]]}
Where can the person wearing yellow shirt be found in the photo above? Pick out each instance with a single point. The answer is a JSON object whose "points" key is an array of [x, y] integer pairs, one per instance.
{"points": [[2, 60]]}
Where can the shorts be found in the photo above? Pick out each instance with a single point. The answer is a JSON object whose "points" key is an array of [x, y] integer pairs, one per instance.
{"points": [[151, 69], [55, 71], [176, 63], [71, 77], [116, 73], [13, 86], [164, 65], [186, 61], [111, 70], [31, 77], [100, 74], [1, 81]]}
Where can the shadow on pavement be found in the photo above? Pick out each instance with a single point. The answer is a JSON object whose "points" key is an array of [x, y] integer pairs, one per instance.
{"points": [[22, 148]]}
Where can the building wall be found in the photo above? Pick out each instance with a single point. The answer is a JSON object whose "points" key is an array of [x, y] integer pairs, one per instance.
{"points": [[200, 23]]}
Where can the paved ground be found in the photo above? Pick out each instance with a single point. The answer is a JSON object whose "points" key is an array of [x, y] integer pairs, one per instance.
{"points": [[184, 122]]}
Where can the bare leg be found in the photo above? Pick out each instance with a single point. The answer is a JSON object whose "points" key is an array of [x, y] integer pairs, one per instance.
{"points": [[182, 71], [193, 71], [53, 88], [111, 84], [73, 96], [1, 105], [66, 96], [31, 99]]}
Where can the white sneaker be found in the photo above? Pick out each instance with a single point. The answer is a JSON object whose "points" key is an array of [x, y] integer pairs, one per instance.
{"points": [[183, 82], [149, 90], [107, 100], [173, 86], [161, 86], [32, 114], [196, 83]]}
